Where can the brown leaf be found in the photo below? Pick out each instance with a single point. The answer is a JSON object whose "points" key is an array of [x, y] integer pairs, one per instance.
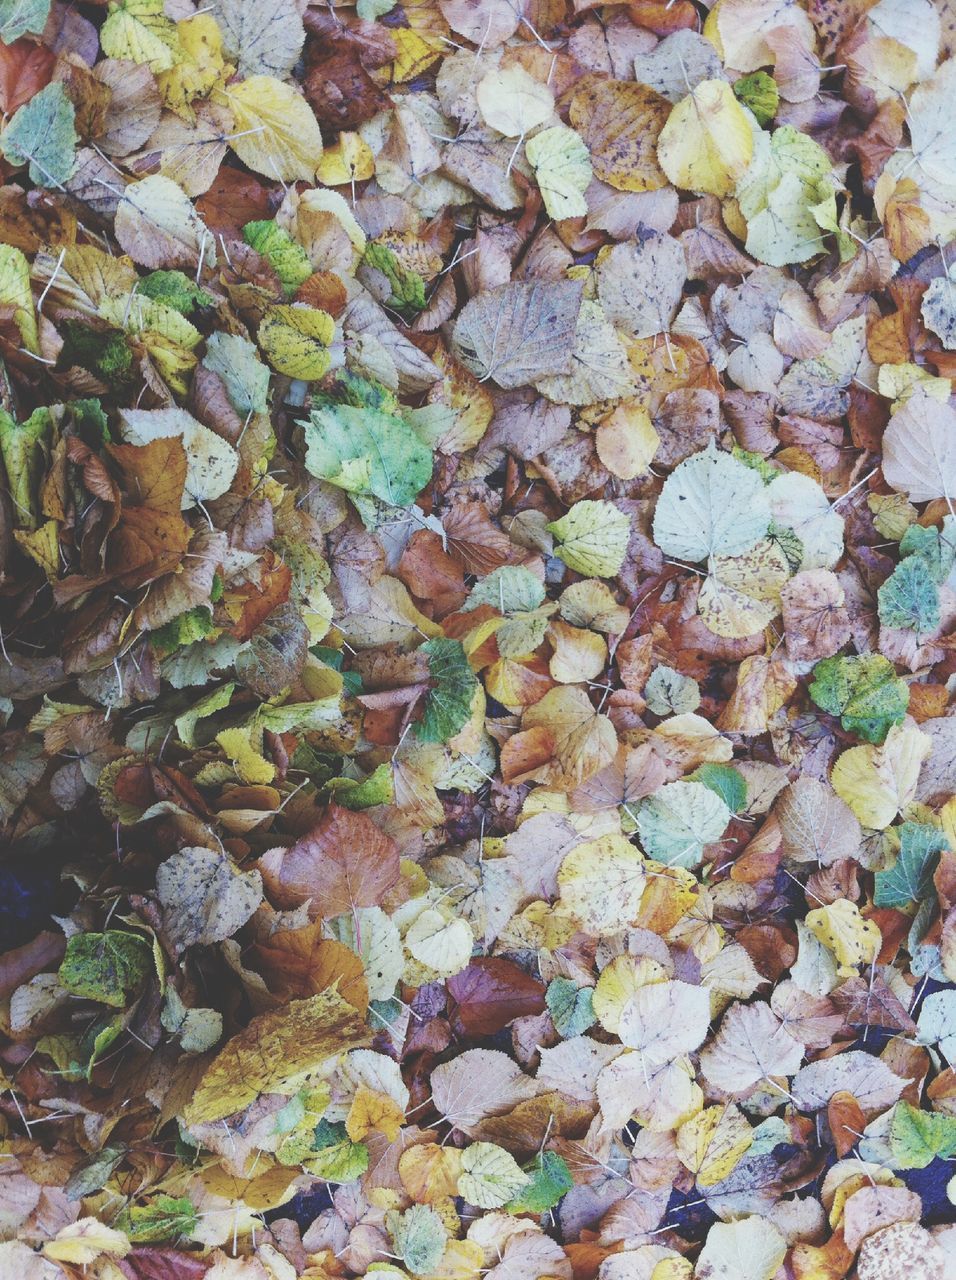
{"points": [[343, 863]]}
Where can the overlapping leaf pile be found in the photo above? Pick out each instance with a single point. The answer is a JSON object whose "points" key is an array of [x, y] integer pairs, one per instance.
{"points": [[478, 640]]}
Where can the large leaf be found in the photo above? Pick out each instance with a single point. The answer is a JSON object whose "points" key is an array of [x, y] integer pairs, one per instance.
{"points": [[366, 451], [519, 331]]}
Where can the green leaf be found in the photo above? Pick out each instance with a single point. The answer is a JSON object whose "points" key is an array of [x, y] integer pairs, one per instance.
{"points": [[166, 1218], [369, 10], [759, 92], [365, 451], [42, 134], [783, 195], [909, 598], [594, 538], [408, 288], [17, 17], [917, 1137], [510, 589], [377, 788], [107, 967], [550, 1180], [94, 1174], [865, 692], [287, 257], [677, 821], [174, 290], [936, 548], [24, 447], [910, 879], [570, 1007], [189, 627], [725, 781], [419, 1237], [243, 374], [334, 1156], [448, 700]]}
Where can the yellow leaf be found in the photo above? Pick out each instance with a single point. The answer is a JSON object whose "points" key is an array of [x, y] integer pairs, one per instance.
{"points": [[602, 882], [276, 133], [43, 546], [430, 1172], [350, 160], [140, 31], [877, 782], [272, 1050], [251, 767], [707, 143], [841, 928], [416, 53], [711, 1143], [84, 1241], [373, 1112], [627, 440], [741, 594], [296, 340], [200, 67]]}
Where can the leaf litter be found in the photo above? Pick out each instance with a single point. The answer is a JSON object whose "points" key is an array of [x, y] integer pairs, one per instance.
{"points": [[477, 650]]}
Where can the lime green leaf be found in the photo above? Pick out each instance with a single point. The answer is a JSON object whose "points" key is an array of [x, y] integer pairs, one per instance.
{"points": [[490, 1176], [408, 288], [17, 17], [562, 170], [15, 292], [781, 195], [377, 788], [570, 1007], [166, 1218], [448, 700], [419, 1237], [865, 692], [174, 290], [107, 967], [550, 1180], [23, 447], [910, 879], [194, 624], [725, 781], [510, 589], [759, 92], [909, 598], [334, 1156], [676, 822], [711, 505], [42, 133], [366, 451], [243, 374], [917, 1137], [593, 537], [289, 260]]}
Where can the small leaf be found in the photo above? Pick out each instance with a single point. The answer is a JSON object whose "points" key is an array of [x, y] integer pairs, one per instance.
{"points": [[451, 691], [593, 538], [909, 598], [107, 967]]}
